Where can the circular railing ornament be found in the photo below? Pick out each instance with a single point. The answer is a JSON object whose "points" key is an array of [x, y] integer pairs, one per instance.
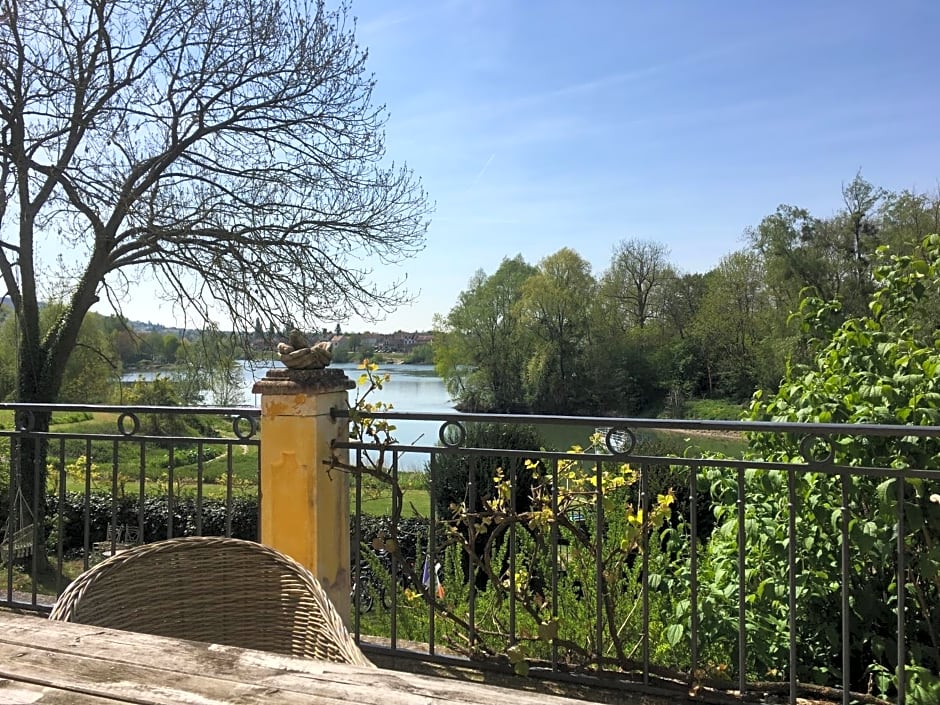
{"points": [[620, 440], [452, 434], [237, 427], [122, 423], [817, 450]]}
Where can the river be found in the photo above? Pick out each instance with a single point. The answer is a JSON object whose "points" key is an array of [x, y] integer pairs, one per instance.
{"points": [[411, 388]]}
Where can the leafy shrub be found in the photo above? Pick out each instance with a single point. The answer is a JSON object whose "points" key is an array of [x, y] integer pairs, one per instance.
{"points": [[70, 417], [452, 471], [878, 368], [102, 509], [712, 409], [191, 455]]}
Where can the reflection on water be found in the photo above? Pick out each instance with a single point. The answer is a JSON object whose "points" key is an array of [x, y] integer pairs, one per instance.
{"points": [[411, 388]]}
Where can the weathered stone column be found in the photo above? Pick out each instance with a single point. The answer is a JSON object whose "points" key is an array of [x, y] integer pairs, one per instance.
{"points": [[304, 505]]}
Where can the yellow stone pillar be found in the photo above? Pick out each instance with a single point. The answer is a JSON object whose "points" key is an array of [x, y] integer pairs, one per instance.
{"points": [[304, 504]]}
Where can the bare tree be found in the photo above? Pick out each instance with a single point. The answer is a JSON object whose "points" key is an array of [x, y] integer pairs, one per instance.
{"points": [[231, 147], [637, 272]]}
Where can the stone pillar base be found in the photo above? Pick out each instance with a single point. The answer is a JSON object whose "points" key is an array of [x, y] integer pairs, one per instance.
{"points": [[305, 505]]}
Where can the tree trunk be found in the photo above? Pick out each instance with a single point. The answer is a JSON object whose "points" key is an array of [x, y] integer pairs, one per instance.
{"points": [[29, 452]]}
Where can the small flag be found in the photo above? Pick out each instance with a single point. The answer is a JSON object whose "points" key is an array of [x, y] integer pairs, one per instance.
{"points": [[426, 578]]}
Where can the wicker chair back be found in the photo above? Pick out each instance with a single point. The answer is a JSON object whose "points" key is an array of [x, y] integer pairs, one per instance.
{"points": [[211, 589]]}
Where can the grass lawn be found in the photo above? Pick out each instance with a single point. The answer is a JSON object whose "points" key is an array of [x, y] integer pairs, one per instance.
{"points": [[133, 459], [562, 437], [377, 497], [123, 462]]}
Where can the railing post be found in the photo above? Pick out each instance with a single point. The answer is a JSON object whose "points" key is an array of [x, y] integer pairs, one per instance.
{"points": [[305, 506]]}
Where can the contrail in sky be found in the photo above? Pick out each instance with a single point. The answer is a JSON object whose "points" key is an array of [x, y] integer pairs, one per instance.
{"points": [[483, 170]]}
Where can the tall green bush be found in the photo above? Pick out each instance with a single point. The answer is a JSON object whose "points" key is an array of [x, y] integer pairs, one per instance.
{"points": [[880, 368]]}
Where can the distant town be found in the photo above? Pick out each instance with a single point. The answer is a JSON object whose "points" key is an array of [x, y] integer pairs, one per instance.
{"points": [[410, 346]]}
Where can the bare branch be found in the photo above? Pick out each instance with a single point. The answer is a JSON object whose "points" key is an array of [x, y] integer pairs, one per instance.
{"points": [[231, 147]]}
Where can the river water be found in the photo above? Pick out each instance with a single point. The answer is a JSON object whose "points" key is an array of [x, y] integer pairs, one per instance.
{"points": [[411, 388]]}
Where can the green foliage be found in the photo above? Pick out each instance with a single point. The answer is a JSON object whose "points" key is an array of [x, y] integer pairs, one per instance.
{"points": [[410, 533], [91, 375], [69, 417], [621, 373], [481, 347], [643, 336], [164, 391], [451, 472], [553, 306], [154, 513], [208, 363], [712, 409], [875, 368], [732, 323], [510, 543], [420, 355]]}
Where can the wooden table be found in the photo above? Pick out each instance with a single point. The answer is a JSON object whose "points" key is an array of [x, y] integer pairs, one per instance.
{"points": [[55, 662]]}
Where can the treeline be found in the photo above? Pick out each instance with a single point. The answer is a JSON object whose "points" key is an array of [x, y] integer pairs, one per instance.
{"points": [[107, 347], [645, 337]]}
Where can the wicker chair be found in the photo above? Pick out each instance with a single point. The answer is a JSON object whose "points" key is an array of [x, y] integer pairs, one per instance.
{"points": [[218, 590]]}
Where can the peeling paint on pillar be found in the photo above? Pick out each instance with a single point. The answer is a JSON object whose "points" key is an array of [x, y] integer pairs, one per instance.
{"points": [[305, 505]]}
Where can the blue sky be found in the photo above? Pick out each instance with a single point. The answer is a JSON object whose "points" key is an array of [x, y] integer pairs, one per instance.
{"points": [[540, 125]]}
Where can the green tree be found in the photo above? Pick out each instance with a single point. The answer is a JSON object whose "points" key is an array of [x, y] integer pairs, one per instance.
{"points": [[882, 367], [733, 322], [120, 131], [681, 358], [907, 218], [153, 345], [554, 305], [163, 391], [171, 344], [208, 364], [683, 294], [861, 200], [620, 371], [832, 256], [126, 346], [93, 372], [482, 346], [421, 355]]}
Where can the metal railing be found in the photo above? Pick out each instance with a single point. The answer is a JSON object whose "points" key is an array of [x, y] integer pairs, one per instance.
{"points": [[80, 482], [648, 562], [641, 561]]}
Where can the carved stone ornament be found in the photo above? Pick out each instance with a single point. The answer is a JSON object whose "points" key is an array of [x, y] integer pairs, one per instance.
{"points": [[298, 354]]}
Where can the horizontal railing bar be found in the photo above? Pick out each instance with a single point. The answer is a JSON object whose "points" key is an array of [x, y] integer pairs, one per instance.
{"points": [[829, 429], [825, 469], [247, 411], [133, 438]]}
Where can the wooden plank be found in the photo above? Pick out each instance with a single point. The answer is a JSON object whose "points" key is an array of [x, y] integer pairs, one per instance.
{"points": [[245, 665], [137, 683], [157, 670], [19, 693], [161, 685]]}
